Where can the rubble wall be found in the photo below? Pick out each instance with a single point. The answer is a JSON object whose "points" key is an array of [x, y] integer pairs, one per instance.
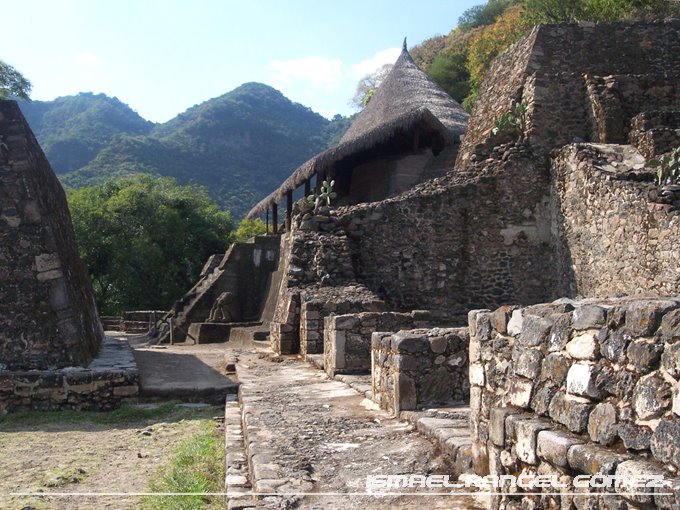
{"points": [[611, 235], [576, 387]]}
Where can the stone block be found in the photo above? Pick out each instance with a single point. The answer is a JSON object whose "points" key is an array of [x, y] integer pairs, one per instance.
{"points": [[670, 325], [635, 437], [644, 355], [670, 359], [572, 412], [560, 333], [527, 362], [581, 380], [516, 323], [437, 386], [553, 446], [520, 392], [644, 317], [535, 331], [476, 371], [589, 317], [526, 432], [511, 420], [499, 319], [593, 460], [439, 344], [555, 368], [627, 471], [126, 391], [540, 402], [346, 322], [603, 424], [667, 497], [409, 342], [409, 362], [613, 346], [584, 346], [651, 397], [405, 394], [497, 418], [665, 442]]}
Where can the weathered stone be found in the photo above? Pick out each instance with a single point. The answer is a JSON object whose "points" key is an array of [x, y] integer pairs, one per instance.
{"points": [[591, 459], [526, 432], [520, 392], [619, 382], [560, 333], [667, 497], [436, 386], [613, 347], [665, 443], [584, 346], [670, 359], [516, 323], [555, 368], [651, 397], [553, 446], [569, 411], [635, 437], [409, 342], [499, 319], [644, 317], [540, 403], [497, 418], [405, 394], [581, 380], [627, 471], [535, 331], [477, 374], [438, 345], [589, 317], [644, 355], [527, 362], [602, 424], [670, 325]]}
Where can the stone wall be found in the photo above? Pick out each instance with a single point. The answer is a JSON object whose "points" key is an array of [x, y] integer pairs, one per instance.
{"points": [[48, 317], [610, 236], [637, 59], [576, 387], [318, 304], [347, 338], [103, 385], [419, 368]]}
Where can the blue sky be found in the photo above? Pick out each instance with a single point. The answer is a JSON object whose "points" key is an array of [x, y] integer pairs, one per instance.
{"points": [[164, 56]]}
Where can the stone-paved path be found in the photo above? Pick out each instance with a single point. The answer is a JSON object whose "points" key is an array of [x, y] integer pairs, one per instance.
{"points": [[306, 435]]}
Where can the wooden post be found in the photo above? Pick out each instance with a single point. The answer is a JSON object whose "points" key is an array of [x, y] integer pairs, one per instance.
{"points": [[275, 218], [172, 331], [289, 210], [308, 187], [267, 220]]}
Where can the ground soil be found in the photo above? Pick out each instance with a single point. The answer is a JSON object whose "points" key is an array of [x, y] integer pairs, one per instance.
{"points": [[48, 458]]}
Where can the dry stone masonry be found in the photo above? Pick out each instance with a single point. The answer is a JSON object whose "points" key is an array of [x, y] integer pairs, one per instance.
{"points": [[577, 387], [48, 317]]}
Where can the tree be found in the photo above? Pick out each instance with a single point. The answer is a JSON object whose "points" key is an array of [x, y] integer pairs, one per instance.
{"points": [[144, 240], [13, 83], [248, 229], [369, 84]]}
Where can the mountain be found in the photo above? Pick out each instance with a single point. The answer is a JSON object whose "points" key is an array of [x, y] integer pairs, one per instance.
{"points": [[240, 146], [72, 130]]}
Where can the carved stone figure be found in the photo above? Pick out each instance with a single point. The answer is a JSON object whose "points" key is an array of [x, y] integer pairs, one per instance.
{"points": [[222, 310]]}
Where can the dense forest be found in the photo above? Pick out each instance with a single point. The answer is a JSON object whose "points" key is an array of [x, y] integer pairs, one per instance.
{"points": [[460, 60], [240, 146]]}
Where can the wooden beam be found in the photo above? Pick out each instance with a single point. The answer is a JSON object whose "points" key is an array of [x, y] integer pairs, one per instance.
{"points": [[275, 218], [289, 210], [267, 221]]}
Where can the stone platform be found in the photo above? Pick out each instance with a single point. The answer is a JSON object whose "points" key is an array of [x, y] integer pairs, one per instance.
{"points": [[111, 377]]}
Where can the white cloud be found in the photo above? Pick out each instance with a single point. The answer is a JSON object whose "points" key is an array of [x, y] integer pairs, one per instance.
{"points": [[317, 71], [388, 56], [88, 59]]}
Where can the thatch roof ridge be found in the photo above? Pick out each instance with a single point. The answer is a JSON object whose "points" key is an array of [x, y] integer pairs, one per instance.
{"points": [[405, 88], [369, 139]]}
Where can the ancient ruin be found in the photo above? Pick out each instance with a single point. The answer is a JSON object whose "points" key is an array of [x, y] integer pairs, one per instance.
{"points": [[50, 334]]}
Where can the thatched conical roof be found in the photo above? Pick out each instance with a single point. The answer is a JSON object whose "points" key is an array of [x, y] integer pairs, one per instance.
{"points": [[405, 99], [407, 88]]}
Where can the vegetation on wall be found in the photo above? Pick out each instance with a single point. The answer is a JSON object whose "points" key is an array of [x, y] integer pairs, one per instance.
{"points": [[144, 240], [460, 60]]}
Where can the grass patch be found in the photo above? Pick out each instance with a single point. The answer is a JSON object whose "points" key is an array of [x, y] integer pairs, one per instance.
{"points": [[195, 466], [124, 414], [60, 477]]}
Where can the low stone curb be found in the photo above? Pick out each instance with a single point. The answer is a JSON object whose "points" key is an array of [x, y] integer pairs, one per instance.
{"points": [[237, 481]]}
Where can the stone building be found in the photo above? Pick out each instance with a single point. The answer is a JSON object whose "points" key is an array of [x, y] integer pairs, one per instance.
{"points": [[409, 132]]}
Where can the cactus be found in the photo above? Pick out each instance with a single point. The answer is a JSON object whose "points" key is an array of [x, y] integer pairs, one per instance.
{"points": [[325, 197]]}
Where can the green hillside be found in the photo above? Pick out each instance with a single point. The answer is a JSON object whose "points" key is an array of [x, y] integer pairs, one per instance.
{"points": [[240, 146]]}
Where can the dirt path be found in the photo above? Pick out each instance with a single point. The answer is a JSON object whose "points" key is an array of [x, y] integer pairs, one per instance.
{"points": [[307, 434], [86, 457]]}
